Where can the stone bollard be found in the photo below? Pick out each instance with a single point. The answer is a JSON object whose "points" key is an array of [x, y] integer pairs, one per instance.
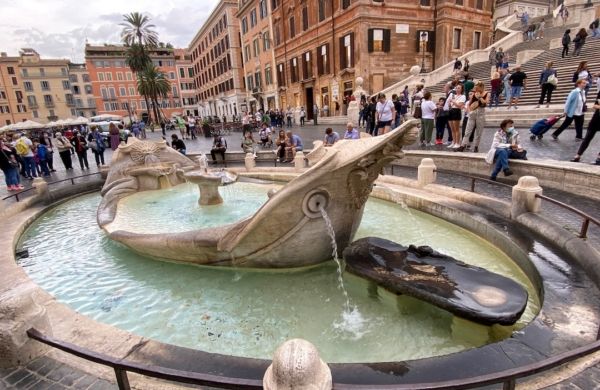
{"points": [[297, 365], [426, 172], [250, 161], [19, 312], [41, 189], [104, 169], [299, 161], [523, 196]]}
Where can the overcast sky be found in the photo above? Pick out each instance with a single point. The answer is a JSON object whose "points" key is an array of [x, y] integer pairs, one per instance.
{"points": [[59, 28]]}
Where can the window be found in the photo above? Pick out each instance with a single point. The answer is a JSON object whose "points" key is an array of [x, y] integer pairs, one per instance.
{"points": [[106, 107], [425, 3], [45, 85], [88, 89], [250, 82], [112, 93], [246, 53], [379, 40], [114, 106], [281, 75], [131, 91], [69, 99], [175, 91], [85, 77], [323, 60], [244, 25], [51, 113], [257, 80], [346, 3], [459, 2], [347, 51], [14, 81], [104, 93], [479, 4], [292, 27], [191, 70], [268, 76], [19, 96], [48, 100], [172, 75], [28, 86], [122, 91], [253, 19], [63, 71], [129, 76], [294, 74], [277, 35], [304, 18], [76, 90], [324, 9], [25, 73], [78, 103], [10, 70], [42, 72], [307, 65], [266, 41], [66, 85], [256, 47], [73, 112], [35, 114], [108, 76], [73, 78], [21, 108], [32, 101], [91, 103], [101, 76], [456, 38], [477, 40], [120, 76], [262, 6], [181, 72]]}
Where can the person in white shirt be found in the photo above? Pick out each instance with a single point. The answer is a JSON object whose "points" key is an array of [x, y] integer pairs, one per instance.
{"points": [[192, 125], [456, 102], [476, 122], [384, 114], [302, 116], [265, 136], [427, 114]]}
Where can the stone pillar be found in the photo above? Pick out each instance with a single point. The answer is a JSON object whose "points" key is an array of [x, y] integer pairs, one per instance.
{"points": [[249, 161], [41, 189], [426, 172], [523, 196], [299, 161], [19, 312], [297, 365]]}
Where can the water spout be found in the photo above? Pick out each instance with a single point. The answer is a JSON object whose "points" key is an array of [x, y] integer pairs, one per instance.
{"points": [[334, 254]]}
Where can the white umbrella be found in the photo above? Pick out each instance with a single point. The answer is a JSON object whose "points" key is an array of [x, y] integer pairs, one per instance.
{"points": [[27, 125], [81, 120], [6, 128], [105, 117]]}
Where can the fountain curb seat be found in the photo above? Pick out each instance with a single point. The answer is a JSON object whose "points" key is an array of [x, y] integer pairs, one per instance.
{"points": [[287, 231]]}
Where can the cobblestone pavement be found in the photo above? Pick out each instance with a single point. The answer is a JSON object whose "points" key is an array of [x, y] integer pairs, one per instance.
{"points": [[48, 373]]}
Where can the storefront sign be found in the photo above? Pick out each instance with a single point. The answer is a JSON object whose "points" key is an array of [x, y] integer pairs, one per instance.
{"points": [[402, 29]]}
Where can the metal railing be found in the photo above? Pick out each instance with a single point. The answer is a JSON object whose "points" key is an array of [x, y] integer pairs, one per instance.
{"points": [[71, 179], [121, 367], [585, 224]]}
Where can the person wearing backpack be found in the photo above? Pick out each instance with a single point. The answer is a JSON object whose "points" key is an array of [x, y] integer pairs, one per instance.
{"points": [[583, 73], [80, 145], [24, 147], [548, 82], [579, 41], [499, 58], [566, 41]]}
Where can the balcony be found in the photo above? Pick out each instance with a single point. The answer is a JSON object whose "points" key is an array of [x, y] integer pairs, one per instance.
{"points": [[109, 98], [52, 117], [33, 106], [49, 104], [70, 104]]}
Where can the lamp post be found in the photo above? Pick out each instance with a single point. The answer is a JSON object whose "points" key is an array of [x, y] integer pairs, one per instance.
{"points": [[423, 38]]}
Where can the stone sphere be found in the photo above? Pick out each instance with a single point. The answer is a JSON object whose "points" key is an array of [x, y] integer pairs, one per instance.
{"points": [[415, 70], [297, 366]]}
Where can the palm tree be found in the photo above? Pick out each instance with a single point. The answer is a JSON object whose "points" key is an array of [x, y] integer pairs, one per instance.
{"points": [[153, 83], [137, 27], [137, 58]]}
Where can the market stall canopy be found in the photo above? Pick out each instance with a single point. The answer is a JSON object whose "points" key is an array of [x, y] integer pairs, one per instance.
{"points": [[106, 117], [27, 125]]}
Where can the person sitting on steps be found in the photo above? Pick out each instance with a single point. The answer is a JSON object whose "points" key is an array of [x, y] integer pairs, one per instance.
{"points": [[219, 146], [505, 146]]}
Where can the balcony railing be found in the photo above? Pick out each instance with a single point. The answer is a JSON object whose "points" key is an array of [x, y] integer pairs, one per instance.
{"points": [[33, 106], [49, 105]]}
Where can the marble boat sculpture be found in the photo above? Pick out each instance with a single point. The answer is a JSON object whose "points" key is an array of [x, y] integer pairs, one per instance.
{"points": [[287, 231]]}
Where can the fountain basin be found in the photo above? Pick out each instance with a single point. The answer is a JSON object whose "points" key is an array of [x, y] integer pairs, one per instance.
{"points": [[208, 185]]}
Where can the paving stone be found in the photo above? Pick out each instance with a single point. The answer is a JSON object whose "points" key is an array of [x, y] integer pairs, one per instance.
{"points": [[4, 372], [59, 373], [17, 376], [42, 384], [38, 363], [48, 367], [101, 384], [84, 382], [27, 381]]}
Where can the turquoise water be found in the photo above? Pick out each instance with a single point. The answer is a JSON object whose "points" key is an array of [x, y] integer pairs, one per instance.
{"points": [[247, 312]]}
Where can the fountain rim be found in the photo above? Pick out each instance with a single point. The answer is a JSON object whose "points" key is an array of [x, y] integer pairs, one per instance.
{"points": [[257, 366]]}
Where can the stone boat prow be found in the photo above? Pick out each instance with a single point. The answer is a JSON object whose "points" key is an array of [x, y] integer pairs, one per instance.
{"points": [[469, 292]]}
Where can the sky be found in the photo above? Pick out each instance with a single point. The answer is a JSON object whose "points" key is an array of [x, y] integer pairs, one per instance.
{"points": [[59, 28]]}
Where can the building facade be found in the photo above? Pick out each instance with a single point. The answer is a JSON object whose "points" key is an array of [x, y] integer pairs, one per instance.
{"points": [[83, 94], [13, 106], [46, 85], [187, 83], [256, 28], [114, 85], [321, 46], [217, 62]]}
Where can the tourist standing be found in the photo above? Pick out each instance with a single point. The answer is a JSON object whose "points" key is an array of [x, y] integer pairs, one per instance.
{"points": [[582, 73], [593, 128], [492, 56], [192, 125], [496, 87], [331, 137], [80, 145], [265, 136], [566, 41], [518, 82], [142, 126], [441, 121], [499, 56], [302, 116], [505, 76], [362, 110], [315, 113], [539, 32], [9, 166], [574, 111], [427, 117], [371, 111], [41, 153], [548, 82], [477, 104], [457, 66], [468, 84], [115, 136], [397, 109], [47, 140], [24, 148], [579, 41], [64, 150], [289, 114], [385, 114], [456, 102], [505, 146], [564, 14], [96, 143]]}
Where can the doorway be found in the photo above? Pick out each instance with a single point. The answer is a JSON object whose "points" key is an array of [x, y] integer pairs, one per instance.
{"points": [[309, 103]]}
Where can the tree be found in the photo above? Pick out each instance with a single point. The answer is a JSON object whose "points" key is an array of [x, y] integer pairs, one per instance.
{"points": [[137, 27], [153, 83]]}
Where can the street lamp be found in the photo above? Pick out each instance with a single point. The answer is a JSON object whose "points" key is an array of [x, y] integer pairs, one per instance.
{"points": [[423, 38]]}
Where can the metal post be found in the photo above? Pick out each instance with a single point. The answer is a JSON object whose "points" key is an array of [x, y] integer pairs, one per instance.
{"points": [[509, 385], [122, 380], [472, 184], [72, 181], [584, 228]]}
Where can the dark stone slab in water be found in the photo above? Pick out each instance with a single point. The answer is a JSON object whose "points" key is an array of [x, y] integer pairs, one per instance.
{"points": [[470, 292]]}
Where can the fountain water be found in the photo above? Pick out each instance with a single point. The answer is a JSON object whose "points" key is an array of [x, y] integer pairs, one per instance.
{"points": [[340, 269]]}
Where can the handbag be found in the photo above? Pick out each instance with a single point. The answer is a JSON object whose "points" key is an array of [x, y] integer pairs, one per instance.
{"points": [[552, 79], [11, 161], [418, 112], [519, 155]]}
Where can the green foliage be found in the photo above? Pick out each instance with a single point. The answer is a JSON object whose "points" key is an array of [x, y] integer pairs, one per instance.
{"points": [[137, 28]]}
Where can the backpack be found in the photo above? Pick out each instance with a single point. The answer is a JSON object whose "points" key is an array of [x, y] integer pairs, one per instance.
{"points": [[575, 76], [21, 147], [566, 40]]}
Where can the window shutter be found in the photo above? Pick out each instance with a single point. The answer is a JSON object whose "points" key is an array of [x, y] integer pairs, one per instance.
{"points": [[319, 61], [342, 49], [352, 49], [386, 40], [327, 67], [418, 41], [370, 40], [431, 42]]}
